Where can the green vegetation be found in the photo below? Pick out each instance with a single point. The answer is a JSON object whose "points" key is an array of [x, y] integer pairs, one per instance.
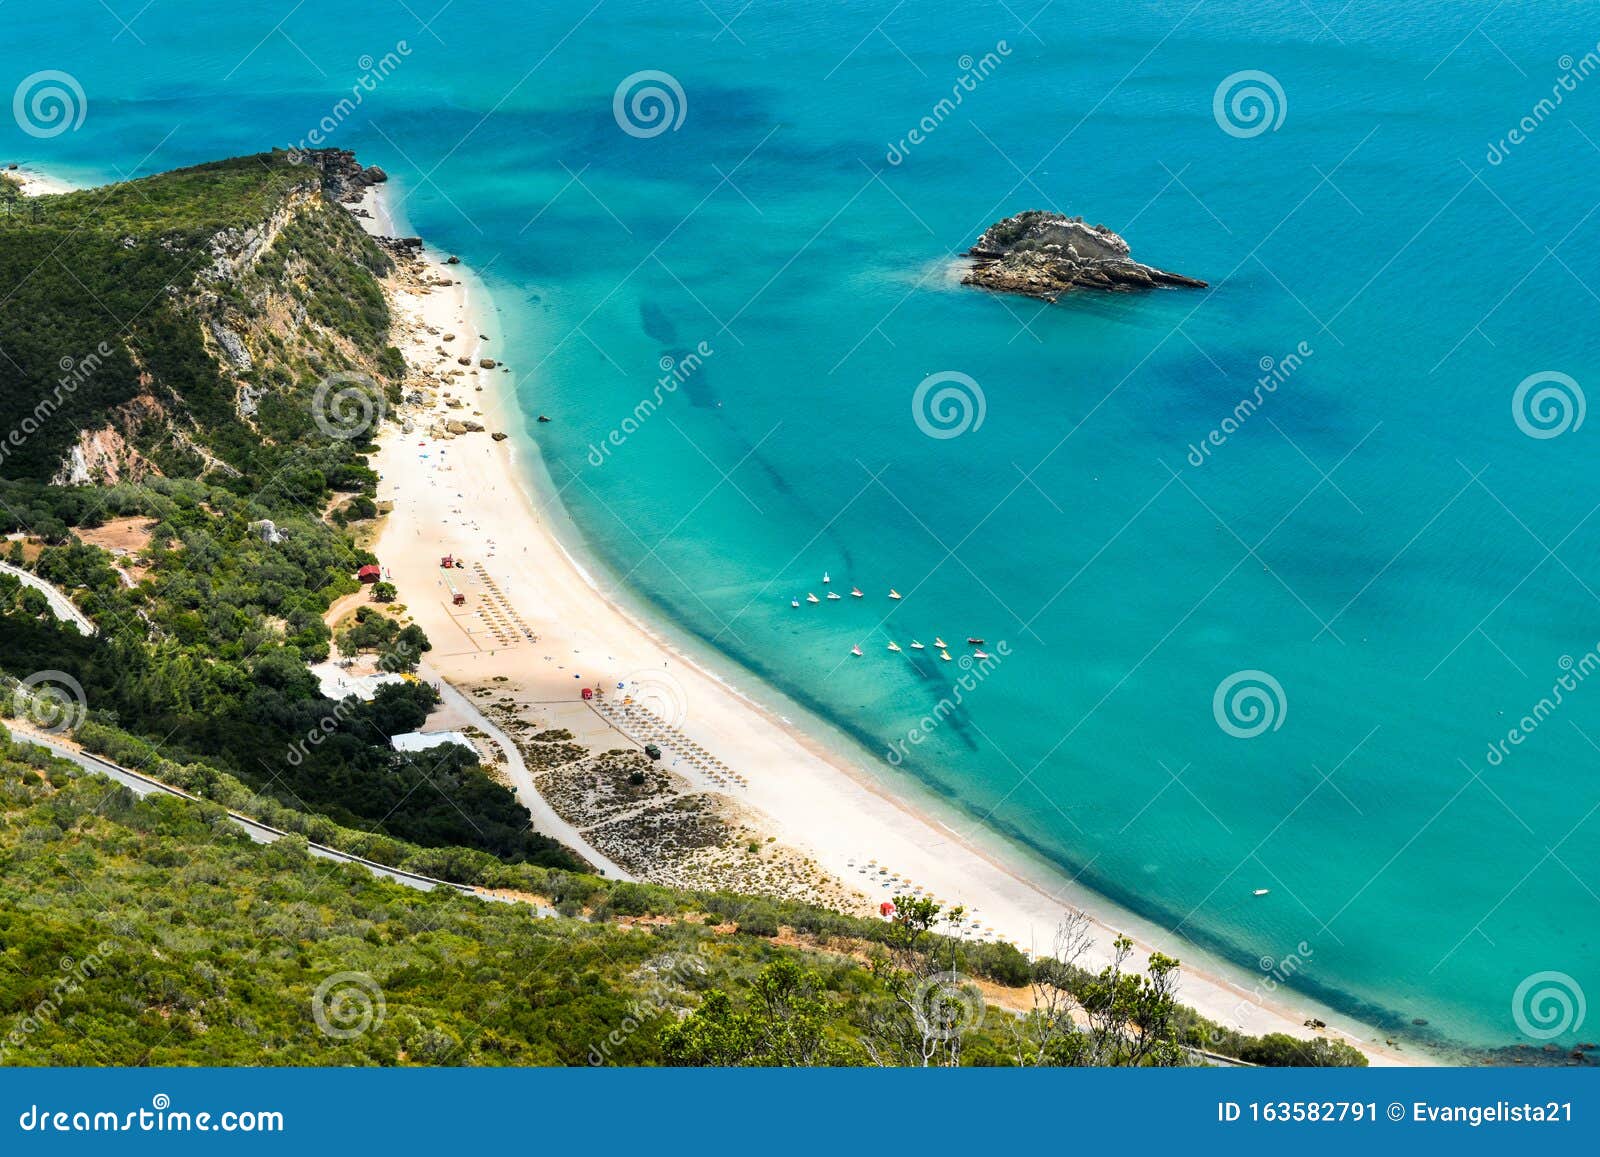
{"points": [[150, 932]]}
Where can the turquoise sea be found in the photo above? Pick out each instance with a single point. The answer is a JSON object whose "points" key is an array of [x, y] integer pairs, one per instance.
{"points": [[1406, 570]]}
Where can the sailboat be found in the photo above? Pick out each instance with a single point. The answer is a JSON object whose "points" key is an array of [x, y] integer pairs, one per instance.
{"points": [[855, 593], [893, 594], [916, 646], [945, 655], [811, 598], [981, 654], [825, 577], [833, 595], [794, 602], [856, 650], [893, 646], [938, 640]]}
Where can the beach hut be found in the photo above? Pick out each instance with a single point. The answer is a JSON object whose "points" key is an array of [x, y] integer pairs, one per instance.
{"points": [[370, 573], [447, 561], [588, 692], [886, 909]]}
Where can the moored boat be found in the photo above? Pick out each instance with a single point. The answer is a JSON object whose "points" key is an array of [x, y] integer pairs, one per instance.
{"points": [[893, 646], [945, 655], [855, 593], [856, 650], [938, 641], [893, 594], [811, 598], [981, 654], [833, 595], [974, 641], [916, 646]]}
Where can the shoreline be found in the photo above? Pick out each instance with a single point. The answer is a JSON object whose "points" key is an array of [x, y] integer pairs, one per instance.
{"points": [[808, 793], [34, 183]]}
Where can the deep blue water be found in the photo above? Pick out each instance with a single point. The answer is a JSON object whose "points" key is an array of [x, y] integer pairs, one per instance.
{"points": [[1380, 536]]}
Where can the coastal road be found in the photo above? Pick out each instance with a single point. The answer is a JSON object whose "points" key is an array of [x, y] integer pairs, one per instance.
{"points": [[60, 605], [545, 820], [143, 785]]}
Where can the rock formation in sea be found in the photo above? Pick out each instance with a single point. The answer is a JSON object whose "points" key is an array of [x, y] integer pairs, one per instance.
{"points": [[1043, 254]]}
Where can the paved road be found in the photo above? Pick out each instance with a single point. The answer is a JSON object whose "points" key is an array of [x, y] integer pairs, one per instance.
{"points": [[261, 833], [59, 603], [546, 821]]}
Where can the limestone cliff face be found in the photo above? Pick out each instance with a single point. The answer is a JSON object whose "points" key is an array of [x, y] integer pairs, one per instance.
{"points": [[248, 283], [1041, 254]]}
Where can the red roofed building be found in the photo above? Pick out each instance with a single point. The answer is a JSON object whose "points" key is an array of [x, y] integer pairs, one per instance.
{"points": [[370, 573]]}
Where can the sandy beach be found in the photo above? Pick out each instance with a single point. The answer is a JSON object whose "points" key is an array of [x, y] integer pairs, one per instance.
{"points": [[36, 184], [534, 630]]}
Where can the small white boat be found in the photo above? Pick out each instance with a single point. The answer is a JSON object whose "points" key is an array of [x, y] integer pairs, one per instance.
{"points": [[825, 577], [893, 594], [794, 602], [916, 646], [893, 646], [938, 641], [833, 595], [945, 655], [982, 655], [811, 598], [1261, 891], [855, 593], [856, 650]]}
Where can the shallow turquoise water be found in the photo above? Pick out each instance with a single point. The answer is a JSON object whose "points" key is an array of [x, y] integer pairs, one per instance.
{"points": [[1380, 536]]}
